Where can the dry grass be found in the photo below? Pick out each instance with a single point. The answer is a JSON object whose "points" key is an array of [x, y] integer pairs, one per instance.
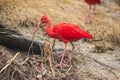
{"points": [[15, 66], [23, 15]]}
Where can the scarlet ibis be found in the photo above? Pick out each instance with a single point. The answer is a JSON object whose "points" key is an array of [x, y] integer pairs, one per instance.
{"points": [[65, 32], [90, 3]]}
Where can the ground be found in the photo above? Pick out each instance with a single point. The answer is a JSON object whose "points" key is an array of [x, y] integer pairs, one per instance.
{"points": [[98, 59]]}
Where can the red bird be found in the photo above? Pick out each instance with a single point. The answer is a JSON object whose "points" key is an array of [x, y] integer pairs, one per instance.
{"points": [[65, 32], [90, 3]]}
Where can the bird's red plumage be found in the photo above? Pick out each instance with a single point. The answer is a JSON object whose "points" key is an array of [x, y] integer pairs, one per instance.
{"points": [[92, 2], [64, 31], [69, 32]]}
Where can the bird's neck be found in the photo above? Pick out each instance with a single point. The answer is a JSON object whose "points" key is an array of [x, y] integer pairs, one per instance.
{"points": [[49, 28]]}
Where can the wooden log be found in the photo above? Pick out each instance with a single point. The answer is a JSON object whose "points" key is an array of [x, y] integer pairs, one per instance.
{"points": [[15, 40]]}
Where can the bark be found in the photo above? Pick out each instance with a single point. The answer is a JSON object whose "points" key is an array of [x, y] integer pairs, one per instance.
{"points": [[15, 40]]}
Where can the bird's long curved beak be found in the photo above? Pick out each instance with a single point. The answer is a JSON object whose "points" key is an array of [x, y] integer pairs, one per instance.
{"points": [[35, 30]]}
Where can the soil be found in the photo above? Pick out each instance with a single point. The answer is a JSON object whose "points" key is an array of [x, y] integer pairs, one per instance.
{"points": [[97, 59]]}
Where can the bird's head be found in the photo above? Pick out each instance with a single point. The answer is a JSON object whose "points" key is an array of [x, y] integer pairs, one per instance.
{"points": [[44, 19]]}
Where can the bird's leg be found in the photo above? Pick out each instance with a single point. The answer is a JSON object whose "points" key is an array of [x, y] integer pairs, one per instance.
{"points": [[94, 7], [92, 13], [63, 54], [88, 14], [93, 10], [71, 54]]}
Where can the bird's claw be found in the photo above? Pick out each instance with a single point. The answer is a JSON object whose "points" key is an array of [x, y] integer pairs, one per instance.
{"points": [[60, 65], [68, 60], [86, 17]]}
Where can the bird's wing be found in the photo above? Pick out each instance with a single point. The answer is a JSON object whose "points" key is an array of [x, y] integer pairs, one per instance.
{"points": [[67, 31]]}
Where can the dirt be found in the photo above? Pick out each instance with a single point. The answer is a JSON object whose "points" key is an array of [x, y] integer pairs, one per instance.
{"points": [[86, 65], [98, 59]]}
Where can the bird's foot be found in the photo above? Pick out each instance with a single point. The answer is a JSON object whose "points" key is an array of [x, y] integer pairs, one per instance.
{"points": [[60, 65], [86, 17], [69, 60], [89, 18]]}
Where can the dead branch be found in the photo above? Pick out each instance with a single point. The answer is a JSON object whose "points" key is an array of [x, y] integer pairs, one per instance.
{"points": [[9, 62], [15, 40]]}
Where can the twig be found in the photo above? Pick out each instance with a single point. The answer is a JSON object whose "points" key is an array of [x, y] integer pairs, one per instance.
{"points": [[25, 61], [51, 67], [9, 62], [49, 57], [69, 69], [31, 45]]}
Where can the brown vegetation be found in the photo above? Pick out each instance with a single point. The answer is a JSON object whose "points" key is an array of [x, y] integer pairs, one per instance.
{"points": [[23, 15], [117, 2]]}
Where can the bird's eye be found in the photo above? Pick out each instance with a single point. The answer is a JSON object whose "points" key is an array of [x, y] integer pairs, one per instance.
{"points": [[43, 20]]}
